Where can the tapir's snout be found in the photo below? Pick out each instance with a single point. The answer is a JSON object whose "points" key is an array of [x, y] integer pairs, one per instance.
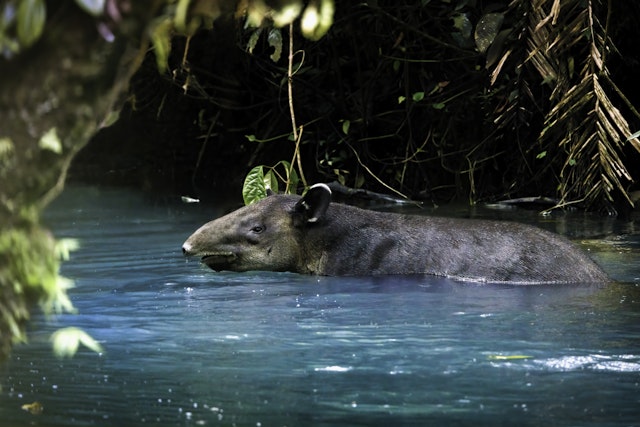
{"points": [[186, 249]]}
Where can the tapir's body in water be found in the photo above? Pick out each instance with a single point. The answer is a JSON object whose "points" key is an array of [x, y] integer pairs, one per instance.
{"points": [[311, 235]]}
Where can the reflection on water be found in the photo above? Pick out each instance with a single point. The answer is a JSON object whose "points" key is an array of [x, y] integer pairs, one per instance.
{"points": [[187, 346]]}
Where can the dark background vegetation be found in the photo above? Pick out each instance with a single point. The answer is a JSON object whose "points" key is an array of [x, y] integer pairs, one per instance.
{"points": [[456, 135]]}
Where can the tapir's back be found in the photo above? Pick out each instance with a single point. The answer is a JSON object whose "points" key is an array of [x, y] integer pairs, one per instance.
{"points": [[362, 242]]}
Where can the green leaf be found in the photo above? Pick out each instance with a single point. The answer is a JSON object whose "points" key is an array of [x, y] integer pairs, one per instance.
{"points": [[180, 18], [418, 96], [345, 126], [293, 181], [541, 155], [316, 21], [32, 15], [438, 105], [275, 41], [254, 188], [92, 7], [401, 99], [67, 340], [253, 40], [6, 149], [161, 40], [271, 181], [50, 141], [487, 30]]}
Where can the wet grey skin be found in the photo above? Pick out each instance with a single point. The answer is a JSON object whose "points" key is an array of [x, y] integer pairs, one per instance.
{"points": [[312, 235]]}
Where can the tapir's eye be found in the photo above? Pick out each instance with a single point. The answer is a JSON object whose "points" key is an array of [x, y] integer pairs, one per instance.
{"points": [[257, 229]]}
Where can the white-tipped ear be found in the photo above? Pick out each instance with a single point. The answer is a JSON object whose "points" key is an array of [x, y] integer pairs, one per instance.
{"points": [[313, 205]]}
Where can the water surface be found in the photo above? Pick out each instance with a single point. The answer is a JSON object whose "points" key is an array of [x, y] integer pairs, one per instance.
{"points": [[187, 346]]}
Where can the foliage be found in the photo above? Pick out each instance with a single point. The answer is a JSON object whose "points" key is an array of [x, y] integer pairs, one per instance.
{"points": [[29, 265], [186, 17], [258, 182], [583, 131], [66, 342], [22, 22], [402, 103]]}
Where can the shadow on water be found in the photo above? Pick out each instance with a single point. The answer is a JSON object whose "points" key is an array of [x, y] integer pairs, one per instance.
{"points": [[187, 346]]}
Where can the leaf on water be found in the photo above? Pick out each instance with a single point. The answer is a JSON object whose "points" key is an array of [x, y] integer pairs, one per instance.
{"points": [[254, 188], [34, 408], [508, 357], [187, 199], [67, 340], [50, 141]]}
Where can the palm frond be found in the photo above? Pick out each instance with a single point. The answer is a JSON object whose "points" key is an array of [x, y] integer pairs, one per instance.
{"points": [[584, 122]]}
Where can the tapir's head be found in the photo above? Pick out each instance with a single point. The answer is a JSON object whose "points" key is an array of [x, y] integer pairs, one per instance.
{"points": [[263, 236]]}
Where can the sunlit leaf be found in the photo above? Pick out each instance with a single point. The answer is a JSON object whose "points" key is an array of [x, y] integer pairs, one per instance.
{"points": [[286, 14], [487, 30], [345, 126], [254, 188], [161, 32], [271, 181], [180, 17], [253, 40], [541, 155], [6, 148], [32, 15], [275, 41], [65, 246], [462, 23], [316, 21], [50, 141], [67, 340], [418, 96], [92, 7]]}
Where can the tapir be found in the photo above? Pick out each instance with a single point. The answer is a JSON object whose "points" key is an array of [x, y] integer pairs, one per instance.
{"points": [[313, 235]]}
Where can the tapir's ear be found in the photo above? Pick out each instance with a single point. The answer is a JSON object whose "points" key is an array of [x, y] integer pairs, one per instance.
{"points": [[270, 192], [313, 205]]}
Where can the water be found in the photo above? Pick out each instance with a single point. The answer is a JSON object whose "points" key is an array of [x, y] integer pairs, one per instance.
{"points": [[185, 346]]}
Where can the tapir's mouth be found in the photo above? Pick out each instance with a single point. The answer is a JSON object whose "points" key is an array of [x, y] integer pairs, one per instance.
{"points": [[217, 261]]}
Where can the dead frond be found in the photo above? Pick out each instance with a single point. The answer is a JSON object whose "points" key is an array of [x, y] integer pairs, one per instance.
{"points": [[584, 121]]}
